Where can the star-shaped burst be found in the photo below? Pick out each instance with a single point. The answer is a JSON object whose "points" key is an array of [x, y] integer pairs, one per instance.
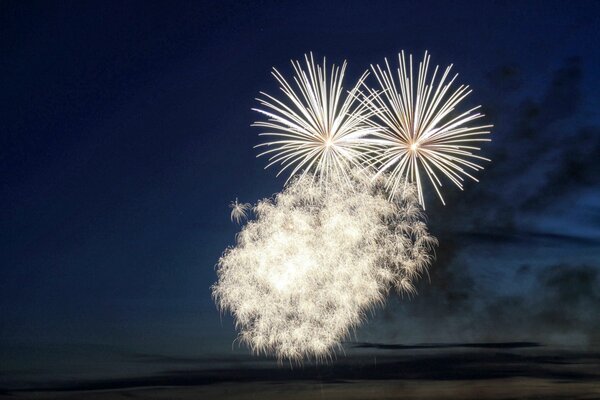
{"points": [[421, 133], [317, 126]]}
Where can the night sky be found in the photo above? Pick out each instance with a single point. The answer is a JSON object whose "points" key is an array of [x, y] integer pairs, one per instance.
{"points": [[126, 133]]}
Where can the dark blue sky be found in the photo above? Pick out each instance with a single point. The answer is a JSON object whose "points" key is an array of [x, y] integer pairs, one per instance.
{"points": [[125, 134]]}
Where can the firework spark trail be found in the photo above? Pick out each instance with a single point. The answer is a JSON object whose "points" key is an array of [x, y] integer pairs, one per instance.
{"points": [[418, 132], [239, 211], [316, 259], [317, 126]]}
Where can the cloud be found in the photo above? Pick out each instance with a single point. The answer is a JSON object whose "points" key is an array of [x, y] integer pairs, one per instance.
{"points": [[545, 154], [484, 361], [574, 169], [526, 237], [161, 359], [490, 345], [561, 306]]}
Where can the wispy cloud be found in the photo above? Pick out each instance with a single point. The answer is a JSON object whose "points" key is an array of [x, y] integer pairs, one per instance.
{"points": [[491, 345], [476, 361]]}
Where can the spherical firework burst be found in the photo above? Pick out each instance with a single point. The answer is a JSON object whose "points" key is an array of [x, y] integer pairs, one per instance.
{"points": [[421, 133], [316, 258], [317, 126]]}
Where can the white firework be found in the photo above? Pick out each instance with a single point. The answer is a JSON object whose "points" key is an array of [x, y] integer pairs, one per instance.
{"points": [[239, 211], [316, 259], [420, 131], [317, 126]]}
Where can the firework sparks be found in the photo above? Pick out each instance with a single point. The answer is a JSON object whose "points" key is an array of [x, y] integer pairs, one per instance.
{"points": [[316, 259], [420, 134], [239, 211], [323, 252], [317, 126]]}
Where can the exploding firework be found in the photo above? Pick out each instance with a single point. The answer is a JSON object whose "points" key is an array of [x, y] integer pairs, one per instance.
{"points": [[239, 211], [317, 257], [317, 126], [420, 131], [322, 253]]}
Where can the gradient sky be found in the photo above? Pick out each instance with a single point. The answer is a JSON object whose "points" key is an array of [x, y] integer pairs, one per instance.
{"points": [[126, 133]]}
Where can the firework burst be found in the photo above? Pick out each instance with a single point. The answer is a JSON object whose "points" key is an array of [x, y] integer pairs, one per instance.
{"points": [[239, 211], [317, 126], [304, 273], [420, 132], [323, 252]]}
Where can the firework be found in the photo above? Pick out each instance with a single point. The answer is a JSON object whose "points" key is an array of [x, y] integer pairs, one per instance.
{"points": [[316, 258], [420, 131], [239, 211], [322, 253], [317, 126]]}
